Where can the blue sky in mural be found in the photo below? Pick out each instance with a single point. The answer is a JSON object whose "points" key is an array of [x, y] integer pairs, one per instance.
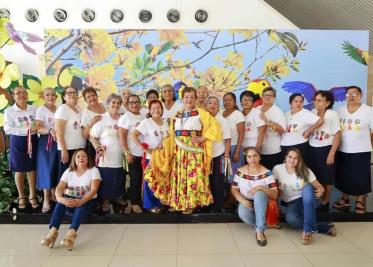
{"points": [[323, 63]]}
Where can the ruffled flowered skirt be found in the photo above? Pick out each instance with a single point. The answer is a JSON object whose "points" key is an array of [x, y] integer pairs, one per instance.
{"points": [[187, 185]]}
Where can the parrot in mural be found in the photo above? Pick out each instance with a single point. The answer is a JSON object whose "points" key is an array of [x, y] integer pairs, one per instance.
{"points": [[178, 89], [257, 86], [308, 90], [71, 75], [355, 53]]}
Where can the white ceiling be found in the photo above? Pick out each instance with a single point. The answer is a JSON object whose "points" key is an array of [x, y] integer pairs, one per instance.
{"points": [[328, 14]]}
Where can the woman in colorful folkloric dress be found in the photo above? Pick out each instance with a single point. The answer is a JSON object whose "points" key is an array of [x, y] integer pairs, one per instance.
{"points": [[353, 158], [274, 118], [91, 115], [300, 124], [220, 155], [105, 140], [153, 130], [299, 189], [133, 154], [179, 173], [253, 185], [76, 192], [69, 133], [19, 123], [47, 162], [254, 126], [324, 143], [170, 106]]}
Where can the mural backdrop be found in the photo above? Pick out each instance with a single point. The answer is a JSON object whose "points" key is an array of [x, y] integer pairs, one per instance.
{"points": [[222, 60]]}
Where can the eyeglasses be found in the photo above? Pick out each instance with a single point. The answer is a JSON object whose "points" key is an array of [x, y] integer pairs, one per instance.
{"points": [[352, 94], [21, 93], [134, 102], [69, 93], [269, 95]]}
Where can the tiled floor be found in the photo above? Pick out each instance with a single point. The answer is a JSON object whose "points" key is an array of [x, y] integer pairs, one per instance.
{"points": [[226, 245]]}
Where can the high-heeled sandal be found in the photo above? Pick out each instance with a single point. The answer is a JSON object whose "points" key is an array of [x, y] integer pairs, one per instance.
{"points": [[34, 203], [188, 211], [307, 238], [46, 209], [21, 206], [155, 210], [361, 209], [50, 238], [136, 209], [68, 241], [342, 204]]}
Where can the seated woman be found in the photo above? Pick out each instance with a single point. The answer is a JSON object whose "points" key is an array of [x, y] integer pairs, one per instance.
{"points": [[298, 190], [252, 186], [76, 191]]}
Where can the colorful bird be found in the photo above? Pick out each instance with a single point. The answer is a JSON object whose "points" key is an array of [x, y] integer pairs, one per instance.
{"points": [[71, 75], [308, 90], [178, 89], [257, 86], [21, 37], [355, 53]]}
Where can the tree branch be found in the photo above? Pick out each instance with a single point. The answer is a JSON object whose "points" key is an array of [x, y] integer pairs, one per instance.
{"points": [[59, 41], [63, 51]]}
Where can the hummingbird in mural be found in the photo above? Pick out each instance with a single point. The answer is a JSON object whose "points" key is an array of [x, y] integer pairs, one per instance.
{"points": [[355, 53], [196, 44], [308, 90]]}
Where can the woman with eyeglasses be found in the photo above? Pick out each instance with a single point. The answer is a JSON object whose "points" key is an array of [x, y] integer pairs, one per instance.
{"points": [[68, 130], [275, 121], [20, 125], [300, 124], [133, 153], [324, 143], [353, 175]]}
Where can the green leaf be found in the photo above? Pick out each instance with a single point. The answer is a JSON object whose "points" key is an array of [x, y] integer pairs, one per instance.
{"points": [[291, 45], [294, 67], [292, 36], [146, 60], [159, 65], [27, 77], [149, 48], [139, 62], [165, 47]]}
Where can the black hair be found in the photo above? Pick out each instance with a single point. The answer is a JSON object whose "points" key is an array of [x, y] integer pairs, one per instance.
{"points": [[293, 96], [327, 95], [354, 87], [234, 98], [250, 94], [152, 92]]}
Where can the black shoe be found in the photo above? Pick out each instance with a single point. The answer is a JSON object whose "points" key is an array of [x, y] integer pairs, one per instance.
{"points": [[261, 243], [323, 207]]}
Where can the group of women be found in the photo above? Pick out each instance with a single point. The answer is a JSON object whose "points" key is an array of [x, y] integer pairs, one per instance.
{"points": [[178, 154]]}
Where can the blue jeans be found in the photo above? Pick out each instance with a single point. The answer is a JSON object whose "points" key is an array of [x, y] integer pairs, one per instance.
{"points": [[301, 212], [257, 216], [78, 214], [235, 165]]}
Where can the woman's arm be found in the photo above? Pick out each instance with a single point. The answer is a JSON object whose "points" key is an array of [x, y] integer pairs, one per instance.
{"points": [[237, 195], [241, 132], [262, 132], [314, 127], [123, 133], [272, 193], [95, 184], [227, 144], [333, 150], [60, 133], [319, 189]]}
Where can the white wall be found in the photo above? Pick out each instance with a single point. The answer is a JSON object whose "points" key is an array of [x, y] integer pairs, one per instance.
{"points": [[249, 14]]}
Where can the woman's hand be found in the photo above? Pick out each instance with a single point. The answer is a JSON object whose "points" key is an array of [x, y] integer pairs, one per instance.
{"points": [[198, 139], [330, 159], [53, 134], [129, 157], [64, 156], [95, 119], [306, 134], [319, 191], [247, 203], [236, 156], [255, 189]]}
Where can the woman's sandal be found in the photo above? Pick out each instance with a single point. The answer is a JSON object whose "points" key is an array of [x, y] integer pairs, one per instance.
{"points": [[261, 242], [68, 241], [46, 209], [50, 238], [188, 211], [342, 204], [360, 207], [307, 238], [155, 210], [34, 203], [21, 204], [136, 209]]}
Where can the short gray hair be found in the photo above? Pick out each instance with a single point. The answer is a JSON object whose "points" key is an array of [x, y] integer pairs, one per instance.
{"points": [[213, 97], [113, 96]]}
